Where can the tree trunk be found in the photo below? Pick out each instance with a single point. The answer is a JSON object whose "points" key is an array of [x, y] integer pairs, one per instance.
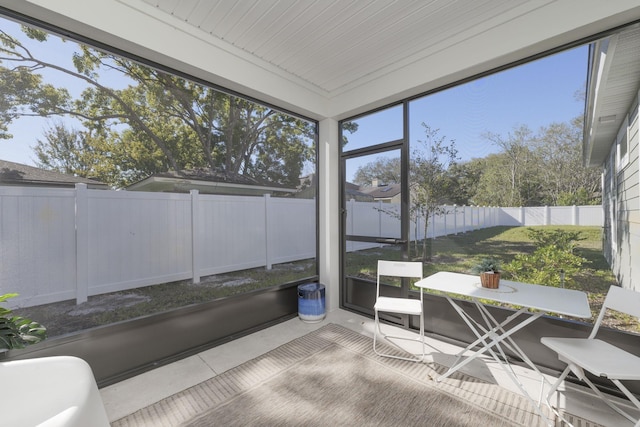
{"points": [[426, 243]]}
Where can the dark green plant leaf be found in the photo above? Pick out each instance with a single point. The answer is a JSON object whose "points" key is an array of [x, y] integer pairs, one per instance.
{"points": [[17, 331]]}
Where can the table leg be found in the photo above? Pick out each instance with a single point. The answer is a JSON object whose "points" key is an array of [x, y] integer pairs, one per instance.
{"points": [[482, 337], [494, 336]]}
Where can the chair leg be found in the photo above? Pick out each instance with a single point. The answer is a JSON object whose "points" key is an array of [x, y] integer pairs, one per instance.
{"points": [[612, 405], [631, 397], [595, 389], [555, 385], [552, 390], [376, 326], [378, 330], [422, 336]]}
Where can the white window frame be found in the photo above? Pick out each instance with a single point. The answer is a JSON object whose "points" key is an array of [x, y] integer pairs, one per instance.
{"points": [[622, 145]]}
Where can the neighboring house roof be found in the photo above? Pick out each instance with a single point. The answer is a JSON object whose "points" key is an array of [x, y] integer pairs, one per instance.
{"points": [[353, 192], [207, 181], [382, 192], [18, 174], [612, 85]]}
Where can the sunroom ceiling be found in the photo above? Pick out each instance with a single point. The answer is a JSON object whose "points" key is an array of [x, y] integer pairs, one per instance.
{"points": [[336, 45], [331, 58]]}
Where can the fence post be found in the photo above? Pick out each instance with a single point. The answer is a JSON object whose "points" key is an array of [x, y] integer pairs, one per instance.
{"points": [[484, 217], [575, 218], [195, 239], [433, 226], [522, 215], [474, 218], [547, 214], [446, 215], [267, 199], [469, 224], [474, 223], [82, 243], [464, 218], [455, 219]]}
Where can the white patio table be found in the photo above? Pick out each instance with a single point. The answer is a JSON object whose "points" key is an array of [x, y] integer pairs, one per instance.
{"points": [[492, 335]]}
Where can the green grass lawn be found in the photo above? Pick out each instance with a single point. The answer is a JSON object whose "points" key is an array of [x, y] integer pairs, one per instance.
{"points": [[461, 252]]}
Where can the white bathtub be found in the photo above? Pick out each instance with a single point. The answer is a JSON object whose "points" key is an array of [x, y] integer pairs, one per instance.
{"points": [[50, 392]]}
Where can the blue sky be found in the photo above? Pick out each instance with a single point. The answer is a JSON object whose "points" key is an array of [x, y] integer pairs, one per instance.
{"points": [[534, 94], [26, 130]]}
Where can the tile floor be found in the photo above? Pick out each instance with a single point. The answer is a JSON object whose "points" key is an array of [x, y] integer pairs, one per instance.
{"points": [[126, 397]]}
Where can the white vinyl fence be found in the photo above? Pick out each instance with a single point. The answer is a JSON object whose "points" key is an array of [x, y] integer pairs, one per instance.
{"points": [[377, 219], [62, 244], [59, 244]]}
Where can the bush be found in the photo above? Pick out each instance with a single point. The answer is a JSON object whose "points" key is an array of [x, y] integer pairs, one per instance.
{"points": [[561, 239], [553, 263]]}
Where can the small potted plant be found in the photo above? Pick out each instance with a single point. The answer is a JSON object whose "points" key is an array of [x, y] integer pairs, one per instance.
{"points": [[489, 270]]}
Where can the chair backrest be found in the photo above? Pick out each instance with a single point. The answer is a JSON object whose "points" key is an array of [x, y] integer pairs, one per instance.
{"points": [[398, 269], [619, 299]]}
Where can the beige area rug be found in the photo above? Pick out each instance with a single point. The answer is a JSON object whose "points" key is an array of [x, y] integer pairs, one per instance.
{"points": [[331, 377]]}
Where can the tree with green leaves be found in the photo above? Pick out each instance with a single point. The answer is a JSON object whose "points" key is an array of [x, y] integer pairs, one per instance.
{"points": [[64, 150], [536, 169], [429, 181], [20, 85], [162, 121], [564, 179], [385, 170], [350, 127], [510, 178], [466, 178]]}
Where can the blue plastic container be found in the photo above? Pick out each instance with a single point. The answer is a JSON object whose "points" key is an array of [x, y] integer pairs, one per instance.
{"points": [[311, 302]]}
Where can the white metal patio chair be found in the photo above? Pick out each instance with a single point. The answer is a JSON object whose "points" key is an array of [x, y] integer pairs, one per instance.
{"points": [[407, 306], [599, 357]]}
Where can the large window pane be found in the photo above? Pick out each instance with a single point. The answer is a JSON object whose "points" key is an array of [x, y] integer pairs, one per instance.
{"points": [[496, 171], [186, 194]]}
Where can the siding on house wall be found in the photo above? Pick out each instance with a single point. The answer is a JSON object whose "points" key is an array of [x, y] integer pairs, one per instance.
{"points": [[628, 183], [608, 202], [621, 203], [632, 207]]}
